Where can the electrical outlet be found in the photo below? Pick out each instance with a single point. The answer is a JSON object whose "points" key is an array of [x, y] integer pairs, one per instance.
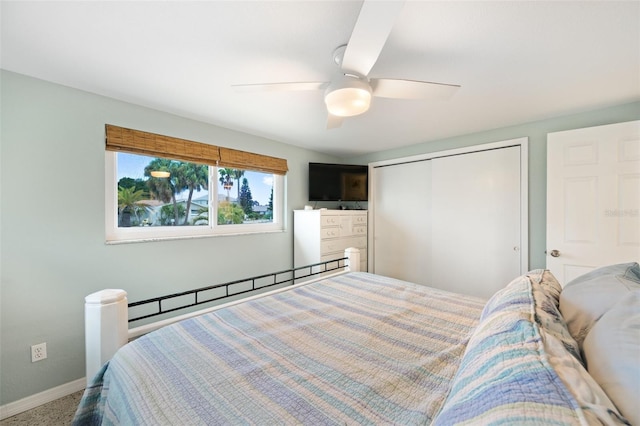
{"points": [[38, 352]]}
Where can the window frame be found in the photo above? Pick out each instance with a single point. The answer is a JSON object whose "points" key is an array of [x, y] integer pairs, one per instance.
{"points": [[116, 235]]}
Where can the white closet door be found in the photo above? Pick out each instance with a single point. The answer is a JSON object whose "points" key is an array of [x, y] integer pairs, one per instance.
{"points": [[476, 220], [402, 221]]}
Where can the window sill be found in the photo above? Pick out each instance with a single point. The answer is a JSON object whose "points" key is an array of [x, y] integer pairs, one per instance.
{"points": [[189, 237]]}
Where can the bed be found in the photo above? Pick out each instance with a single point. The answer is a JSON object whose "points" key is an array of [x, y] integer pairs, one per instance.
{"points": [[358, 348]]}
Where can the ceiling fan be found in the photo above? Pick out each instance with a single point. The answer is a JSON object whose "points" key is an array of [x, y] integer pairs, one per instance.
{"points": [[350, 93]]}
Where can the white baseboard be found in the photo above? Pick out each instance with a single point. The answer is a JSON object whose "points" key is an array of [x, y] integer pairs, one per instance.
{"points": [[33, 401]]}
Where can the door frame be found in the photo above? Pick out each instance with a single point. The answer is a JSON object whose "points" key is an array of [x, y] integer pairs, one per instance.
{"points": [[522, 142]]}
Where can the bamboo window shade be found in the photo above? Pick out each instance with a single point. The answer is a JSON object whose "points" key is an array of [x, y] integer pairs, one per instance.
{"points": [[121, 139], [235, 159]]}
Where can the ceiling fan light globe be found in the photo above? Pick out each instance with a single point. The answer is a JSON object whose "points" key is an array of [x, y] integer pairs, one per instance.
{"points": [[348, 101]]}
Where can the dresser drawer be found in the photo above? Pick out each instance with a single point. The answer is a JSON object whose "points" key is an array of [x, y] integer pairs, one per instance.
{"points": [[329, 220], [359, 230], [331, 246], [360, 219], [339, 232], [332, 232], [343, 221]]}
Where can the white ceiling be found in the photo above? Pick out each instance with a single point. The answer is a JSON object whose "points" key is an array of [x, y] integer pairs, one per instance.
{"points": [[516, 61]]}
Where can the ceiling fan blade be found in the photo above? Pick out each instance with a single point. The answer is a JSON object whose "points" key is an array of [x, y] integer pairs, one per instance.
{"points": [[280, 87], [333, 121], [369, 35], [411, 89]]}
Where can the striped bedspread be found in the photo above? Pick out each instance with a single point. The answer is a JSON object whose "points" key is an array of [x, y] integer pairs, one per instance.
{"points": [[353, 349]]}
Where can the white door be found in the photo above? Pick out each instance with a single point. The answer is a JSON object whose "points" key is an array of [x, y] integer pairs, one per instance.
{"points": [[593, 198], [476, 221], [402, 219]]}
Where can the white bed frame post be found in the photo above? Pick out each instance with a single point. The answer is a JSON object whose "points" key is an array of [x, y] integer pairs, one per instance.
{"points": [[106, 327], [353, 259]]}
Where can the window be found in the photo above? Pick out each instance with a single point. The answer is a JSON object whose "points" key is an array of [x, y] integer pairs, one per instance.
{"points": [[157, 197]]}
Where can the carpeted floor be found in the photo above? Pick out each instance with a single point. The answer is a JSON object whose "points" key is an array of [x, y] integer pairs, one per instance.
{"points": [[56, 413]]}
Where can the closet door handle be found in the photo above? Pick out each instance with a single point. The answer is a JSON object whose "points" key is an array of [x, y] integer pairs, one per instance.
{"points": [[555, 253]]}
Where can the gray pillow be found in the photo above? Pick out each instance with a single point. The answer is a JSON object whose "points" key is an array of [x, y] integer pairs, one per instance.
{"points": [[584, 300], [612, 354]]}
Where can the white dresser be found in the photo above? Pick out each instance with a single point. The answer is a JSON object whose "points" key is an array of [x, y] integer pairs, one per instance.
{"points": [[321, 235]]}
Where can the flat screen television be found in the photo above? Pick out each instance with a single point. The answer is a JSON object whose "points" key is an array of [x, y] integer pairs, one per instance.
{"points": [[338, 182]]}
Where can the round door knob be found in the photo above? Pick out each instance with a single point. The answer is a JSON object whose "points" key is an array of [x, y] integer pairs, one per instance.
{"points": [[555, 253]]}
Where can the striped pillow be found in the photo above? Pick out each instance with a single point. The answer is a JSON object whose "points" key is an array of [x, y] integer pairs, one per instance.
{"points": [[505, 376]]}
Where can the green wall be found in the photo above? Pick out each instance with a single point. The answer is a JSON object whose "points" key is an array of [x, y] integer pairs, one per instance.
{"points": [[537, 134], [53, 250]]}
